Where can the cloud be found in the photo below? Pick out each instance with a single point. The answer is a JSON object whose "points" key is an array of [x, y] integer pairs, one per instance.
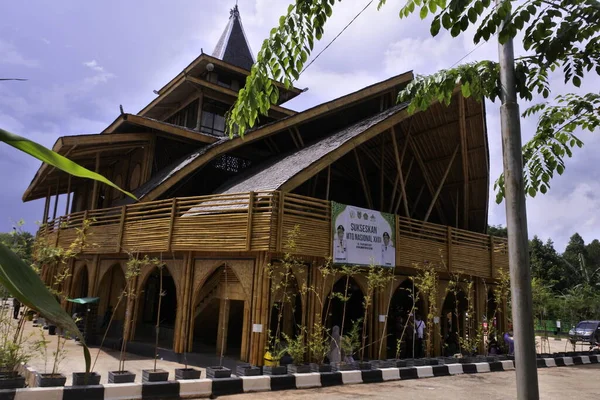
{"points": [[45, 40], [10, 55], [101, 76]]}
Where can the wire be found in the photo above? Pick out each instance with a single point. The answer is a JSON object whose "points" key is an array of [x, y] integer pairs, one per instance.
{"points": [[338, 35], [468, 54]]}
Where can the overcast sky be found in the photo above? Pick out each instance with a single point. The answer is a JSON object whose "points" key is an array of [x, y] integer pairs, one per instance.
{"points": [[83, 59]]}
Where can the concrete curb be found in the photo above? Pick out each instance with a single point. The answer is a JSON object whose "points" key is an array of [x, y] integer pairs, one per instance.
{"points": [[202, 388]]}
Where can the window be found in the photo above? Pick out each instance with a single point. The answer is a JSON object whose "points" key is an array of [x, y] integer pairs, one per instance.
{"points": [[187, 116], [231, 163], [213, 117]]}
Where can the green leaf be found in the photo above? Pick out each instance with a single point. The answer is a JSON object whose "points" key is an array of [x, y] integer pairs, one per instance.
{"points": [[576, 81], [24, 284], [532, 192], [446, 21], [435, 27], [560, 169], [432, 7], [543, 189], [472, 15], [423, 12], [466, 89], [54, 159]]}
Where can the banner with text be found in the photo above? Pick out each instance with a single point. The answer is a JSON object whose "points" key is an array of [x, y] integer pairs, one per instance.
{"points": [[362, 236]]}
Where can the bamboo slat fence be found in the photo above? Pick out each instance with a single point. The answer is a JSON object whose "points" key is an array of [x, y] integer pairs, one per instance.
{"points": [[260, 221]]}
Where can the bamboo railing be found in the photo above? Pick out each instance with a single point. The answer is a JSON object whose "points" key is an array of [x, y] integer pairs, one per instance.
{"points": [[260, 221]]}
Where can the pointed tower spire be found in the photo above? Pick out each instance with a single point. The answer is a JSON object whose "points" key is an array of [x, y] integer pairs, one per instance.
{"points": [[233, 45]]}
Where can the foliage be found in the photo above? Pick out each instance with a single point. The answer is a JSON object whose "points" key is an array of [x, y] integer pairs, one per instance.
{"points": [[24, 284], [426, 281], [317, 342], [497, 230], [15, 348], [19, 241], [559, 36], [294, 346], [377, 279], [351, 341], [54, 159]]}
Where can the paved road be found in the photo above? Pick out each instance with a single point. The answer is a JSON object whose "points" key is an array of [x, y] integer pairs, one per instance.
{"points": [[577, 382]]}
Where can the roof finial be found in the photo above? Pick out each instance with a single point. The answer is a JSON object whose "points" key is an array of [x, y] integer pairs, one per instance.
{"points": [[234, 11]]}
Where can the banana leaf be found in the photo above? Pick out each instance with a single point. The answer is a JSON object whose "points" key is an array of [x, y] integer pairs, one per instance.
{"points": [[56, 160], [23, 283]]}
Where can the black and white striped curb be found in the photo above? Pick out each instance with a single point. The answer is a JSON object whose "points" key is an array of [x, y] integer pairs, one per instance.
{"points": [[202, 388]]}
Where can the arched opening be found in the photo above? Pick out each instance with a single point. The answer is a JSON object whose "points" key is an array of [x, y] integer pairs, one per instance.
{"points": [[80, 285], [286, 309], [354, 305], [148, 309], [219, 314], [110, 291], [405, 305], [453, 321]]}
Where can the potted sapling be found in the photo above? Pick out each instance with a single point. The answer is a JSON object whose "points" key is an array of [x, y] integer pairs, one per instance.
{"points": [[157, 375], [318, 344], [296, 350], [133, 268], [186, 373], [349, 343], [13, 352], [54, 378]]}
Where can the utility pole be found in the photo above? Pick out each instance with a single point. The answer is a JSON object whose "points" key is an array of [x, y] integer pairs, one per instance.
{"points": [[516, 222]]}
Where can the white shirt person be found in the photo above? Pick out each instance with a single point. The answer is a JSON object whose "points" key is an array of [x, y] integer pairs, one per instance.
{"points": [[340, 249], [388, 253]]}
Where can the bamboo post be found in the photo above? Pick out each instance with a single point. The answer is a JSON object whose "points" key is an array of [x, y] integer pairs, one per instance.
{"points": [[68, 196], [56, 198], [492, 266], [363, 180], [172, 223], [439, 189], [249, 225], [280, 220], [449, 246], [464, 150], [381, 176], [405, 182], [417, 200], [328, 182], [121, 228], [399, 168], [47, 206], [95, 188]]}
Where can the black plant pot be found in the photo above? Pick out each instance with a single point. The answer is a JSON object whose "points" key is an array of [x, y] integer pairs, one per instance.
{"points": [[121, 377], [364, 365], [51, 330], [11, 380], [50, 380], [247, 370], [151, 375], [93, 378], [400, 363], [187, 373], [218, 372], [343, 366], [278, 370], [320, 367], [299, 369]]}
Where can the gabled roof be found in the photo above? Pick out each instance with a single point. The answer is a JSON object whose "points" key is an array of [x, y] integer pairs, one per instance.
{"points": [[233, 46], [166, 179], [125, 120], [280, 173]]}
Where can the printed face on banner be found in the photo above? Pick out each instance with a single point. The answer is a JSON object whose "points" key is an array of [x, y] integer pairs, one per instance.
{"points": [[362, 236]]}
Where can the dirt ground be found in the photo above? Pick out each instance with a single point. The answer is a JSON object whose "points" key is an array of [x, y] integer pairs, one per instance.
{"points": [[555, 383]]}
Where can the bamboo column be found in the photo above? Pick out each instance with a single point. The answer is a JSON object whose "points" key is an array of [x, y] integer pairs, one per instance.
{"points": [[56, 199], [260, 313], [223, 326]]}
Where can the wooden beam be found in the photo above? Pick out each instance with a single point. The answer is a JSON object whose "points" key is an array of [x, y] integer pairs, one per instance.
{"points": [[445, 158], [439, 189], [321, 110], [417, 200], [363, 180], [464, 151], [300, 140], [95, 189], [399, 166], [405, 181], [293, 136], [426, 177]]}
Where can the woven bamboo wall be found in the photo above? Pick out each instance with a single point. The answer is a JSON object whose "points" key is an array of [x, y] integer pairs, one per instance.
{"points": [[260, 221]]}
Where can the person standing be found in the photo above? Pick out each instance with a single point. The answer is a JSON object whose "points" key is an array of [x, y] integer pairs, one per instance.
{"points": [[339, 246], [388, 253], [419, 331], [16, 308], [508, 339]]}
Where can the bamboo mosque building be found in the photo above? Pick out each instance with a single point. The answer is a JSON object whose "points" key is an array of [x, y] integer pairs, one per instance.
{"points": [[217, 210]]}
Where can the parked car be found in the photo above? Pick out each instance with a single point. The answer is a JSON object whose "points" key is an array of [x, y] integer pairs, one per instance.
{"points": [[585, 331]]}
